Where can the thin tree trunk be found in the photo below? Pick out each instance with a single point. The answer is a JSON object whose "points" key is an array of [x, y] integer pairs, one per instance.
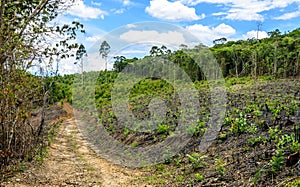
{"points": [[275, 60], [236, 70]]}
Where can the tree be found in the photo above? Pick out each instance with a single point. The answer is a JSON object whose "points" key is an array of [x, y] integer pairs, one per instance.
{"points": [[160, 51], [155, 51], [120, 63], [26, 27], [104, 51], [80, 53], [165, 51], [219, 41], [183, 46]]}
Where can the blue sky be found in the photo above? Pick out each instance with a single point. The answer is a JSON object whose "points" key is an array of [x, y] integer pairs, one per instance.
{"points": [[206, 19]]}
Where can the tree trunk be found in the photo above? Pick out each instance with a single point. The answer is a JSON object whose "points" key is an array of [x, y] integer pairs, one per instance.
{"points": [[236, 70], [275, 60]]}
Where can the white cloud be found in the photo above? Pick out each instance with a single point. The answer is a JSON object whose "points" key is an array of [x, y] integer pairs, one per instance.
{"points": [[224, 29], [94, 38], [126, 2], [242, 14], [207, 34], [96, 3], [130, 26], [289, 15], [253, 34], [79, 9], [119, 11], [172, 11], [170, 37], [246, 9]]}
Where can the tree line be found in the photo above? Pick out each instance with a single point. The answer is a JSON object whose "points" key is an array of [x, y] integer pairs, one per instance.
{"points": [[277, 55]]}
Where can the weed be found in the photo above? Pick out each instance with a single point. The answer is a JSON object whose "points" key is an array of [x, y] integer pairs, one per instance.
{"points": [[277, 161], [134, 144], [295, 183], [199, 177], [197, 130], [220, 166], [288, 141], [222, 136], [256, 140], [257, 175], [179, 178], [163, 128], [126, 131], [197, 160], [239, 125], [252, 129], [41, 154], [274, 133]]}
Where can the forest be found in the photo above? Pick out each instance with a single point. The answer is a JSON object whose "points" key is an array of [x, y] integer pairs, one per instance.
{"points": [[259, 137]]}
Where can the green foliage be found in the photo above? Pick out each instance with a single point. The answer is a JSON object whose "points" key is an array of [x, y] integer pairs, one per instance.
{"points": [[197, 130], [288, 141], [197, 160], [240, 125], [256, 140], [277, 161], [222, 136], [258, 174], [295, 183], [163, 128], [134, 144], [220, 166], [274, 133], [40, 154], [199, 177], [236, 57]]}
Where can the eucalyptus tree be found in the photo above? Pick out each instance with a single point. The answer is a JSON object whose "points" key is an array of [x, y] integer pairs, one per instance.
{"points": [[80, 53], [104, 51]]}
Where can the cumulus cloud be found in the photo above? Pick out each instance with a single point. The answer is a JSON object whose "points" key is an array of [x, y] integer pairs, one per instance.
{"points": [[79, 9], [246, 9], [170, 37], [208, 34], [172, 11], [288, 16], [253, 34]]}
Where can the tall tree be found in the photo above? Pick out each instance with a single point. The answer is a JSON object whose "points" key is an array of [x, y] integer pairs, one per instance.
{"points": [[80, 53], [104, 51]]}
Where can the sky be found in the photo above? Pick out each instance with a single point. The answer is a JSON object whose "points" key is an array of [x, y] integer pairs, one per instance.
{"points": [[207, 20]]}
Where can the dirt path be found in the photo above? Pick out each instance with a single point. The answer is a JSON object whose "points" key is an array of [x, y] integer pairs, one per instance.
{"points": [[71, 162]]}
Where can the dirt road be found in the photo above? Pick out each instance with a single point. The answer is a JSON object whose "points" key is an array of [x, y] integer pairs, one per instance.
{"points": [[70, 162]]}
